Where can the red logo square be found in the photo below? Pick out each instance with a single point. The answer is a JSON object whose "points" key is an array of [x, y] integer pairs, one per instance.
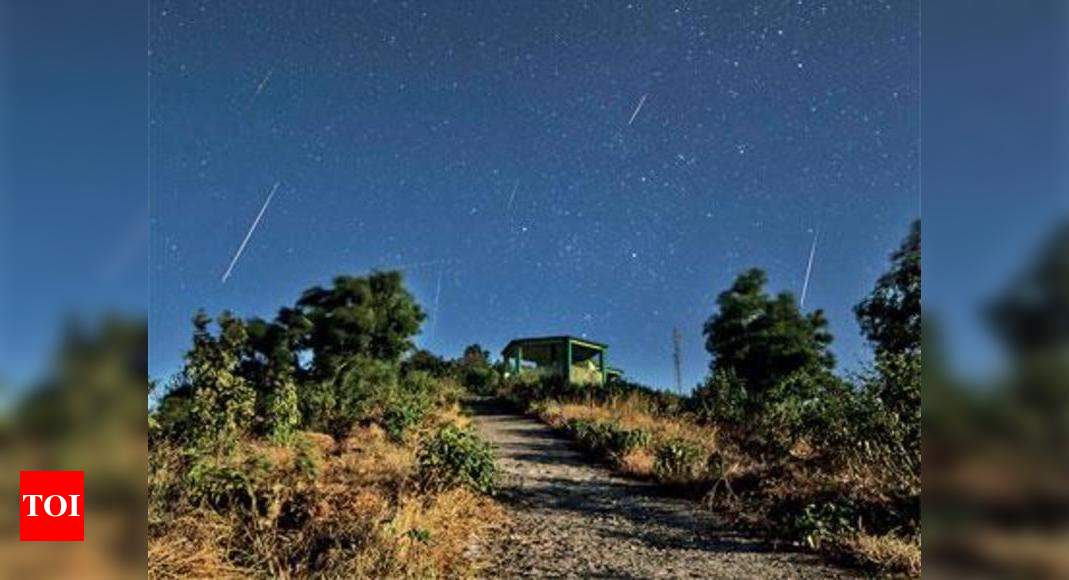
{"points": [[51, 506]]}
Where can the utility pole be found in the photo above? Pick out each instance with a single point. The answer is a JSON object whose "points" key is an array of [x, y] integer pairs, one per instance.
{"points": [[677, 358]]}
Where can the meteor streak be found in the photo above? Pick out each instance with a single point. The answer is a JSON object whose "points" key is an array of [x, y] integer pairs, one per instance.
{"points": [[437, 295], [248, 235], [809, 268], [637, 109], [512, 196], [260, 87]]}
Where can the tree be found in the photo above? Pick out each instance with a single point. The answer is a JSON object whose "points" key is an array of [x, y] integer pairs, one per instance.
{"points": [[271, 367], [890, 316], [474, 355], [372, 316], [762, 340], [223, 402], [428, 362], [476, 372]]}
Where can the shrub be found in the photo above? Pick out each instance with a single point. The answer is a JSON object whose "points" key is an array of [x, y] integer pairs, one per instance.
{"points": [[402, 414], [481, 380], [457, 457], [355, 395], [282, 415], [820, 522], [679, 460], [223, 484], [222, 401], [606, 438], [625, 441], [723, 398]]}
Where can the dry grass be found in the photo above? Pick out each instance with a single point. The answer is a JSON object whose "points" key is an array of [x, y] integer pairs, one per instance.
{"points": [[631, 412], [196, 546], [360, 515], [887, 553], [753, 490]]}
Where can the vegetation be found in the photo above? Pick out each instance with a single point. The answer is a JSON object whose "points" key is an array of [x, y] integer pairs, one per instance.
{"points": [[774, 436], [307, 445], [457, 457], [319, 443]]}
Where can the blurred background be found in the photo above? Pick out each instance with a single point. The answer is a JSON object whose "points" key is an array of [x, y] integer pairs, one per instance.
{"points": [[73, 274], [996, 288], [74, 263]]}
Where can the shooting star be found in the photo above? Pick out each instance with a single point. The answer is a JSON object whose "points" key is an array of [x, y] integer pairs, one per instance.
{"points": [[260, 87], [637, 109], [809, 268], [512, 196], [437, 295], [248, 235]]}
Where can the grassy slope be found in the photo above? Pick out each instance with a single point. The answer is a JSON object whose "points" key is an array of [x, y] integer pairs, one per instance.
{"points": [[350, 508], [749, 489]]}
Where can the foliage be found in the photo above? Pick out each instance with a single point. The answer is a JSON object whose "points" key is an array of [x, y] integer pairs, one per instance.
{"points": [[406, 406], [235, 487], [223, 401], [372, 317], [428, 362], [762, 339], [270, 365], [281, 415], [353, 396], [475, 356], [890, 316], [606, 438], [457, 457], [481, 380], [679, 460], [820, 522], [723, 398]]}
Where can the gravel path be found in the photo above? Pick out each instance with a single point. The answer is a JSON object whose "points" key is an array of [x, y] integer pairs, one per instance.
{"points": [[570, 518]]}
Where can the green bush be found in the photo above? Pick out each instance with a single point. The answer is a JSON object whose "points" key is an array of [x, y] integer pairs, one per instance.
{"points": [[223, 483], [457, 457], [357, 394], [679, 460], [722, 399], [606, 438], [401, 415], [625, 441], [819, 522], [282, 415], [481, 380]]}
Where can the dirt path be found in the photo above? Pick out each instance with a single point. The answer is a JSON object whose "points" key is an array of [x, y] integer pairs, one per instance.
{"points": [[575, 519]]}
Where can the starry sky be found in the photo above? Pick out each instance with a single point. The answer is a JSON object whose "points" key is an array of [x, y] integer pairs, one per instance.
{"points": [[589, 168]]}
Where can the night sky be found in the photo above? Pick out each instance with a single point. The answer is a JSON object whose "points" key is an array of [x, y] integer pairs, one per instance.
{"points": [[494, 149]]}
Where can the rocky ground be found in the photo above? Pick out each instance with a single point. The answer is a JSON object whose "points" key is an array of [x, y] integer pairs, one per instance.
{"points": [[573, 518]]}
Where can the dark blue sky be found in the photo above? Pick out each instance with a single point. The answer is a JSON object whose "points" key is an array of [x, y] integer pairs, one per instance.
{"points": [[399, 131]]}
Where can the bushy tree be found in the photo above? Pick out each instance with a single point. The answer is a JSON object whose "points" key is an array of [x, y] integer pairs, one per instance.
{"points": [[222, 400], [474, 355], [373, 317], [890, 317], [271, 367], [761, 339], [722, 398], [335, 405], [426, 361], [476, 372]]}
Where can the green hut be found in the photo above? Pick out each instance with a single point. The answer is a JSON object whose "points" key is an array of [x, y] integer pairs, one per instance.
{"points": [[578, 360]]}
